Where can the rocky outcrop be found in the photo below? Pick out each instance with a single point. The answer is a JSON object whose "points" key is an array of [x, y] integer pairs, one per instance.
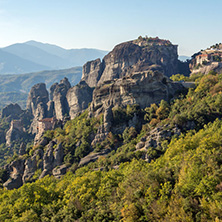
{"points": [[12, 110], [24, 170], [15, 169], [37, 95], [52, 89], [31, 165], [57, 172], [48, 159], [37, 104], [92, 157], [52, 158], [51, 109], [19, 122], [59, 98], [78, 98], [133, 73], [92, 72], [134, 56], [142, 88], [22, 149], [104, 128], [155, 137], [15, 133]]}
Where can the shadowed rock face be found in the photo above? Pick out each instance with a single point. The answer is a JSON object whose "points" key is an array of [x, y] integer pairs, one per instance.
{"points": [[37, 104], [13, 110], [92, 72], [130, 57], [59, 98], [52, 89], [38, 94], [15, 169], [143, 88], [78, 98]]}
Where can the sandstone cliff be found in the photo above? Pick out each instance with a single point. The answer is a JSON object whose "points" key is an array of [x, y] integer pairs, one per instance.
{"points": [[37, 104], [92, 72], [59, 98], [133, 56], [38, 94], [133, 73], [78, 98], [142, 88], [24, 169], [12, 110]]}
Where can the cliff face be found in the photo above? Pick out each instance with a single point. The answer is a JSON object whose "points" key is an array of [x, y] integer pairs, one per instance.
{"points": [[142, 88], [23, 169], [92, 72], [15, 132], [38, 94], [59, 98], [126, 59], [133, 73], [12, 110], [78, 98], [37, 104], [134, 56]]}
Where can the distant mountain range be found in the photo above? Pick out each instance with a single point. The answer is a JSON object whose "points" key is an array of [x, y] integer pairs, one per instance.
{"points": [[35, 56], [184, 58], [15, 88]]}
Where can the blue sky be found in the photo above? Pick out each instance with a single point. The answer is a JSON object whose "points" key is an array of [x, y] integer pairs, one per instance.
{"points": [[193, 25]]}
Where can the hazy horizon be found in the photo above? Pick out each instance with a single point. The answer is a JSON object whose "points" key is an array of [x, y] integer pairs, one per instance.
{"points": [[192, 25]]}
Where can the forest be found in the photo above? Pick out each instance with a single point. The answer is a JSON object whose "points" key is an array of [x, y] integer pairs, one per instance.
{"points": [[180, 181]]}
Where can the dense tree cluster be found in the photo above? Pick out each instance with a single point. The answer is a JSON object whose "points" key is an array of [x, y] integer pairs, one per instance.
{"points": [[184, 183]]}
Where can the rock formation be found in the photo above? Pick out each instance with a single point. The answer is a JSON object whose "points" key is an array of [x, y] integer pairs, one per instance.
{"points": [[22, 149], [105, 128], [133, 73], [134, 56], [38, 94], [15, 132], [15, 169], [59, 98], [52, 89], [32, 164], [155, 137], [142, 88], [24, 170], [12, 110], [78, 98], [53, 158], [92, 72], [37, 104]]}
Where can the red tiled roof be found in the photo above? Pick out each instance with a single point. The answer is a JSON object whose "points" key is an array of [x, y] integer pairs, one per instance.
{"points": [[203, 55], [47, 120]]}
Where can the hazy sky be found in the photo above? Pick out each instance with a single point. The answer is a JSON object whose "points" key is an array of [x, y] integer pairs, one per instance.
{"points": [[192, 24]]}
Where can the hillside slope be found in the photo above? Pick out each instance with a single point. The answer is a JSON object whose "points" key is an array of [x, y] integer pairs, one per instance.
{"points": [[12, 64], [145, 149], [168, 169]]}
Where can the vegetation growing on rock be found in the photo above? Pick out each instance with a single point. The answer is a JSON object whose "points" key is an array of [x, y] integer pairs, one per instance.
{"points": [[180, 182]]}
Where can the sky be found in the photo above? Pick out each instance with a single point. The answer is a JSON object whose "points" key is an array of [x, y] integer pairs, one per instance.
{"points": [[191, 24]]}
